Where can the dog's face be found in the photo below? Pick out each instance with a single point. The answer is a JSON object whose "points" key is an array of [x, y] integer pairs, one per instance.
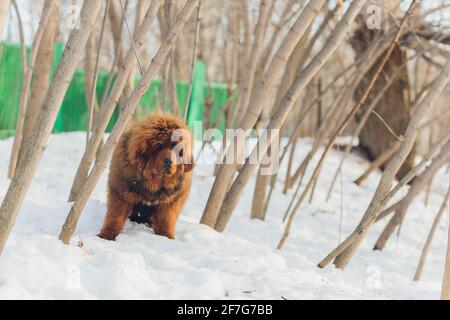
{"points": [[165, 162], [164, 168], [162, 154]]}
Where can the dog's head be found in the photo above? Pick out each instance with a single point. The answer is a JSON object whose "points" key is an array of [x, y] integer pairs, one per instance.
{"points": [[161, 148]]}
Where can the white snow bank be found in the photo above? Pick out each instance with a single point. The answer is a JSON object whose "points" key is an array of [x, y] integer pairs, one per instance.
{"points": [[201, 263]]}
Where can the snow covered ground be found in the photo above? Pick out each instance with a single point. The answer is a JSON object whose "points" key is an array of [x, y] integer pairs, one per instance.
{"points": [[242, 263]]}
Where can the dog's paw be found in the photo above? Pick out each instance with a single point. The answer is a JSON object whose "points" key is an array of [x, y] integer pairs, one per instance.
{"points": [[107, 236]]}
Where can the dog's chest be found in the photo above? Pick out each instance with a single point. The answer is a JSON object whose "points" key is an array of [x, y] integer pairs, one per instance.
{"points": [[153, 198], [138, 187], [141, 213]]}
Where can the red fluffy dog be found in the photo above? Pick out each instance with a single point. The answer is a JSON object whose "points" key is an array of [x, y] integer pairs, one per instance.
{"points": [[150, 176]]}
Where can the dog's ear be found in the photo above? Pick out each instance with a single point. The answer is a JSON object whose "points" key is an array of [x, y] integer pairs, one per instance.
{"points": [[136, 152], [139, 162], [189, 166]]}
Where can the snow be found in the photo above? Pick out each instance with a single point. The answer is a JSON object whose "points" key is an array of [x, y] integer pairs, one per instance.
{"points": [[241, 263]]}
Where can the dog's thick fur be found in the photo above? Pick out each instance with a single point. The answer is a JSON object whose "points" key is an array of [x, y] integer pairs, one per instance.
{"points": [[143, 184]]}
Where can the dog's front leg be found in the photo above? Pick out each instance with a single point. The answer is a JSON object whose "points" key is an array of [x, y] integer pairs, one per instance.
{"points": [[116, 216], [165, 220]]}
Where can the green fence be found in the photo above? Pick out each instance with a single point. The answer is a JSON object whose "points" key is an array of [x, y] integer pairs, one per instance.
{"points": [[73, 113]]}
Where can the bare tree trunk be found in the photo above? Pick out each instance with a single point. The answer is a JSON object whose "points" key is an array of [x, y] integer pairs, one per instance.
{"points": [[46, 13], [378, 162], [247, 45], [90, 79], [233, 74], [163, 26], [42, 72], [116, 19], [304, 110], [91, 74], [283, 109], [250, 68], [394, 107], [297, 132], [116, 25], [361, 123], [259, 196], [419, 184], [302, 51], [262, 181], [406, 179], [344, 252], [121, 124], [226, 172], [23, 49], [102, 120], [328, 124], [36, 144], [295, 136], [342, 126], [172, 85], [430, 236], [287, 180], [4, 9], [285, 17], [194, 58], [427, 193], [445, 293], [141, 8], [169, 10]]}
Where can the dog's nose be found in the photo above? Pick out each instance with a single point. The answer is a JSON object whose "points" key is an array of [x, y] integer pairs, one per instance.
{"points": [[167, 162]]}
